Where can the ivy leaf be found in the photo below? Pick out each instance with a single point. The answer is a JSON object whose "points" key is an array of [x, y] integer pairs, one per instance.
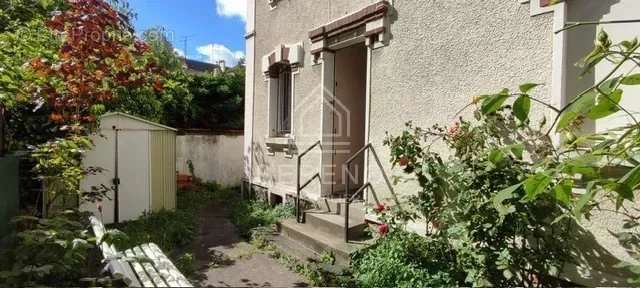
{"points": [[631, 79], [585, 103], [605, 105], [493, 102], [503, 195], [496, 156], [576, 109], [525, 88], [563, 191], [521, 107], [517, 150], [586, 165], [536, 184]]}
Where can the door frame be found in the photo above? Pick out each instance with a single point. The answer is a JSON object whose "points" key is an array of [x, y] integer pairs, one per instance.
{"points": [[327, 61]]}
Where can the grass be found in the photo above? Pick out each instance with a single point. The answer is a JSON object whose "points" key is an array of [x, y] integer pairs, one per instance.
{"points": [[252, 214], [174, 231]]}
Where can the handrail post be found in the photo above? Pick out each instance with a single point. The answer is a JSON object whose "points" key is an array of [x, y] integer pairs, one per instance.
{"points": [[347, 201], [298, 191], [298, 188]]}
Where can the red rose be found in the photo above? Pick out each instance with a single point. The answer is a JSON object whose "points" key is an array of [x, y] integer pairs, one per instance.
{"points": [[383, 229], [380, 208], [404, 161], [453, 131]]}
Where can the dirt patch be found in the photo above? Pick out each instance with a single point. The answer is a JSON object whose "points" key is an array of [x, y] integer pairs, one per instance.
{"points": [[226, 260]]}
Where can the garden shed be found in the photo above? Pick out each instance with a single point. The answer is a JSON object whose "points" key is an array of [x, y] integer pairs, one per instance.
{"points": [[139, 162]]}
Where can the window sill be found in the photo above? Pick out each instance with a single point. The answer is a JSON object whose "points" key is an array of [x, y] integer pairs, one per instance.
{"points": [[284, 143], [284, 140]]}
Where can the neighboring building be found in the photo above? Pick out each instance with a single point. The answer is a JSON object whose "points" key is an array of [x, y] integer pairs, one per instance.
{"points": [[195, 66], [344, 72]]}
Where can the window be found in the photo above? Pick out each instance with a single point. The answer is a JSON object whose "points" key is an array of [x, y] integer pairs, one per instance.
{"points": [[282, 99]]}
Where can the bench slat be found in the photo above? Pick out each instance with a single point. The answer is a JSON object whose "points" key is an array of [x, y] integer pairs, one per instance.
{"points": [[98, 228], [125, 267], [118, 269], [122, 270], [167, 269], [148, 267], [160, 272], [139, 270]]}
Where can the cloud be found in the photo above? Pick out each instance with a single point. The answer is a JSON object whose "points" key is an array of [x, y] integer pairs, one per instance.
{"points": [[232, 8], [213, 53], [178, 52]]}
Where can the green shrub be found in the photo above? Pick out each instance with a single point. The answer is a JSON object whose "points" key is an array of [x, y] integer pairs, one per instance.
{"points": [[403, 259], [247, 215], [173, 229], [186, 264], [49, 252], [168, 229]]}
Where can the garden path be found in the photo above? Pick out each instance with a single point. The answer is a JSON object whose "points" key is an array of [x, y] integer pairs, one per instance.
{"points": [[229, 261]]}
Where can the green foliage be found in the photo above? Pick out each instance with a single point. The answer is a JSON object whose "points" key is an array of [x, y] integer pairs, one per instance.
{"points": [[474, 198], [15, 13], [59, 165], [49, 252], [142, 102], [504, 199], [186, 264], [174, 231], [247, 215], [28, 123], [206, 101], [404, 259], [168, 229], [317, 271], [163, 50]]}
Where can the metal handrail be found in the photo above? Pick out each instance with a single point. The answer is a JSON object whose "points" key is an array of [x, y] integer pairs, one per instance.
{"points": [[349, 199], [300, 187]]}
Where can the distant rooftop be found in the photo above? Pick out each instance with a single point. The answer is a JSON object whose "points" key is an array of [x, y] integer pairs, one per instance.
{"points": [[199, 66]]}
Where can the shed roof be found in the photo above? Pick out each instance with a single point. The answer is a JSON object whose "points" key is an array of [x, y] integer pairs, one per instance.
{"points": [[115, 114]]}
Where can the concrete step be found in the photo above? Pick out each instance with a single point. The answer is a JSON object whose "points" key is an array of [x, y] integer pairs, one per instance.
{"points": [[333, 224], [311, 237], [337, 206], [293, 248]]}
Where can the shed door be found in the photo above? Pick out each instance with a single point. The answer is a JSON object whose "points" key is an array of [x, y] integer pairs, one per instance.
{"points": [[133, 161]]}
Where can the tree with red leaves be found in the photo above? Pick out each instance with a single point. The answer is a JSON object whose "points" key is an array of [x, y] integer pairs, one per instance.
{"points": [[98, 56]]}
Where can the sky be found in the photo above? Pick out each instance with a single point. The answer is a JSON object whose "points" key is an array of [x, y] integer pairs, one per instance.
{"points": [[213, 29]]}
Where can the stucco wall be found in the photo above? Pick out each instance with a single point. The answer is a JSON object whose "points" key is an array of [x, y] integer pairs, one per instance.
{"points": [[290, 23], [436, 61], [215, 157], [440, 55]]}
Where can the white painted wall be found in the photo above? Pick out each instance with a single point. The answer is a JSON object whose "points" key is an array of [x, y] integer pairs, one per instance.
{"points": [[600, 251], [216, 158], [581, 42]]}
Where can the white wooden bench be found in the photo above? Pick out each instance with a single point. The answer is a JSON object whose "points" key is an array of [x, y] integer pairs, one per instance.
{"points": [[153, 269]]}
